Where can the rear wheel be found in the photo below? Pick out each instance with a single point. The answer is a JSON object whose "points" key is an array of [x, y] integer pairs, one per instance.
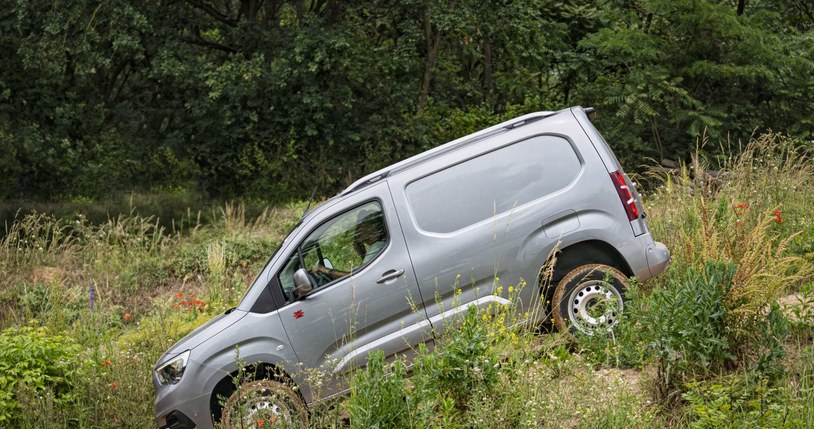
{"points": [[589, 299], [264, 403]]}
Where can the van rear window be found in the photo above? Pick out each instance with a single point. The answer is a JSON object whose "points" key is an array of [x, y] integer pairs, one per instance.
{"points": [[493, 183]]}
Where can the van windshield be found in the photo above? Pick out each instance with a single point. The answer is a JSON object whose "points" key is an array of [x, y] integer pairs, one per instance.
{"points": [[287, 238]]}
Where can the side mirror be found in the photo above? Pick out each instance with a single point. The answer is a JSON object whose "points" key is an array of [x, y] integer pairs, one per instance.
{"points": [[303, 283]]}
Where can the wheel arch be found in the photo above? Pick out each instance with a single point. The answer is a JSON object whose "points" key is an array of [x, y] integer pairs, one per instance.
{"points": [[250, 372], [586, 253]]}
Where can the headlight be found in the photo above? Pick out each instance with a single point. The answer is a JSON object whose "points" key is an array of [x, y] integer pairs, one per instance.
{"points": [[172, 370]]}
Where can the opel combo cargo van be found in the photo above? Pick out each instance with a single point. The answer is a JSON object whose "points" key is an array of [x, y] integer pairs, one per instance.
{"points": [[382, 264]]}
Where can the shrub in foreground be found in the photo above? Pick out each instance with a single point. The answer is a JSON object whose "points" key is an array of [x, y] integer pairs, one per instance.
{"points": [[33, 361]]}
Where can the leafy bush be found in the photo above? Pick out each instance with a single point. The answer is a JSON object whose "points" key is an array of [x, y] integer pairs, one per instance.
{"points": [[687, 328], [682, 325], [768, 342], [378, 395], [476, 379], [738, 401], [34, 361], [801, 320], [685, 325], [447, 383], [467, 362]]}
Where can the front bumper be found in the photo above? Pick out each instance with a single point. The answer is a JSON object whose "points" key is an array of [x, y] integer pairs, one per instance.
{"points": [[177, 420], [190, 414]]}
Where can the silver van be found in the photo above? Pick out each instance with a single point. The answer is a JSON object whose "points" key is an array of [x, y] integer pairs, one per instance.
{"points": [[382, 264]]}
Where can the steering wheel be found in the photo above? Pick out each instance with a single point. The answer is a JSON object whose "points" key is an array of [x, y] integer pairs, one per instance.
{"points": [[321, 278]]}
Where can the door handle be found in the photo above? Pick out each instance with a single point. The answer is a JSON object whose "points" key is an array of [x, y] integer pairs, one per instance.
{"points": [[390, 275]]}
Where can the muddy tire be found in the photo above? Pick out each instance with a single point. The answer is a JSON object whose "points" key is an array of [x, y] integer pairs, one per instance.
{"points": [[589, 299], [264, 403]]}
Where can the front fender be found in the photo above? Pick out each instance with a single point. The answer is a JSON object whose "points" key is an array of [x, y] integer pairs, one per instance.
{"points": [[258, 338]]}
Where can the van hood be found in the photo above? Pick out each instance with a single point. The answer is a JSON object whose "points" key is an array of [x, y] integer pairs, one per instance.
{"points": [[202, 333]]}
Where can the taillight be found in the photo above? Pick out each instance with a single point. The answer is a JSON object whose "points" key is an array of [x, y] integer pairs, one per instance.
{"points": [[625, 195]]}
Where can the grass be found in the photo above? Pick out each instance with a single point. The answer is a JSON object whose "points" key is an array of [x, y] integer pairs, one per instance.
{"points": [[104, 298]]}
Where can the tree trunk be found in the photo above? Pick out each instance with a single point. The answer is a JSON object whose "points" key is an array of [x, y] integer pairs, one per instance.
{"points": [[741, 7], [487, 69], [433, 41], [249, 10], [299, 8]]}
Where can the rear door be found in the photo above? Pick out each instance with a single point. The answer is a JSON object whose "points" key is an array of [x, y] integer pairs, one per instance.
{"points": [[376, 305]]}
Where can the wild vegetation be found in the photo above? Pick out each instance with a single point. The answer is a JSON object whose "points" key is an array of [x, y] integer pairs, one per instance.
{"points": [[86, 310], [179, 103], [271, 99]]}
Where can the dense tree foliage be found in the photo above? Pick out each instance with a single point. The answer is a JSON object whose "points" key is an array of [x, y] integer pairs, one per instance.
{"points": [[271, 98]]}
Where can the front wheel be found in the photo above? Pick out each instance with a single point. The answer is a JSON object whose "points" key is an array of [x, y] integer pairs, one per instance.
{"points": [[589, 299], [264, 403]]}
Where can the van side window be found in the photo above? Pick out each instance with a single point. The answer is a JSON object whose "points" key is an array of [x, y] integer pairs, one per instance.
{"points": [[492, 183], [338, 247]]}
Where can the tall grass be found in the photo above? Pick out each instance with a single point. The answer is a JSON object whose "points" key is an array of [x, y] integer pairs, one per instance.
{"points": [[123, 290], [755, 213], [490, 374], [153, 281]]}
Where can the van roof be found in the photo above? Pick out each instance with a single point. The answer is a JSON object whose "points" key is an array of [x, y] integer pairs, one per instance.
{"points": [[446, 148]]}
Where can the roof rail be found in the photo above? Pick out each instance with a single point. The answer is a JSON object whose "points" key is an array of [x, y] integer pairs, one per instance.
{"points": [[445, 148]]}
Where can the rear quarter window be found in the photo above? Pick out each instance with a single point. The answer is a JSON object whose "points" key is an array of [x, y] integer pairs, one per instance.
{"points": [[493, 183]]}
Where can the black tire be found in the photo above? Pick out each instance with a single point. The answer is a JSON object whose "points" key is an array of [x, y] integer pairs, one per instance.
{"points": [[589, 299], [274, 403]]}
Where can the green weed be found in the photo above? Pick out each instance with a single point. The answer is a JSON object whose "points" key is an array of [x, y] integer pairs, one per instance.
{"points": [[378, 395], [34, 363]]}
